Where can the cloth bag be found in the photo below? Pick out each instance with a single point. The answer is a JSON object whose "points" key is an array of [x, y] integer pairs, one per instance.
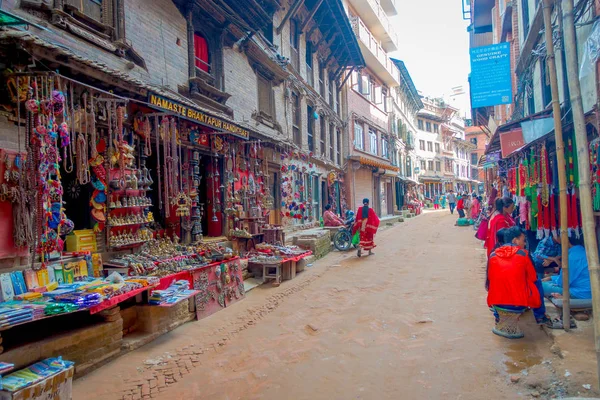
{"points": [[356, 239], [482, 231]]}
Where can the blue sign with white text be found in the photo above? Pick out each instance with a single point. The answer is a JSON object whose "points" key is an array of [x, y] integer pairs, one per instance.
{"points": [[491, 82]]}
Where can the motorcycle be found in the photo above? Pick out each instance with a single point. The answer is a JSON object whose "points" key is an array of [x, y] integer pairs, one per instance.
{"points": [[342, 240]]}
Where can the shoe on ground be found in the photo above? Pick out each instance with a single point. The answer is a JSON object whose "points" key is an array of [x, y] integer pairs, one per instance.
{"points": [[550, 323]]}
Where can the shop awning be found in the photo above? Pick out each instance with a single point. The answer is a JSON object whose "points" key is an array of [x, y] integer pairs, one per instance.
{"points": [[377, 164], [425, 179], [494, 144]]}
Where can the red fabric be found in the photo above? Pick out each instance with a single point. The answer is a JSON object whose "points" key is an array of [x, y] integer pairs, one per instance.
{"points": [[330, 219], [117, 299], [201, 52], [512, 278], [547, 217], [166, 281], [573, 214], [540, 215], [552, 213], [500, 221], [475, 209], [460, 205], [367, 228]]}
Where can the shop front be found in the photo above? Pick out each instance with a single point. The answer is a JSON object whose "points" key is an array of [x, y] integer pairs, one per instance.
{"points": [[127, 215]]}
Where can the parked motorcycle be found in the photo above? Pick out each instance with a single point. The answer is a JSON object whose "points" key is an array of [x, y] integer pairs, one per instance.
{"points": [[342, 240]]}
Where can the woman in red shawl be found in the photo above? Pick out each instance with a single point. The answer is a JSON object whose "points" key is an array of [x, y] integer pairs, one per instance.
{"points": [[367, 223], [501, 219]]}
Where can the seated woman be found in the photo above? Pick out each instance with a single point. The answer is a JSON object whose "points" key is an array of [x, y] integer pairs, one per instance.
{"points": [[579, 276], [511, 283], [330, 219]]}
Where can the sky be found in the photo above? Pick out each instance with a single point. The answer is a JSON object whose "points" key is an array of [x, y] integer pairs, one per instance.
{"points": [[434, 45]]}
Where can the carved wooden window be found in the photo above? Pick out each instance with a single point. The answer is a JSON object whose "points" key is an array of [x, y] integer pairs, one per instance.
{"points": [[265, 96], [98, 15], [296, 114]]}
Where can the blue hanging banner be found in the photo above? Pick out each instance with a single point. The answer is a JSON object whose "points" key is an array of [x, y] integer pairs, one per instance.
{"points": [[491, 82]]}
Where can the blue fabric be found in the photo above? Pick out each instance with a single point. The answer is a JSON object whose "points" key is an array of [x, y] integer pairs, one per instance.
{"points": [[516, 309], [540, 312], [546, 248], [579, 276], [452, 207], [551, 288]]}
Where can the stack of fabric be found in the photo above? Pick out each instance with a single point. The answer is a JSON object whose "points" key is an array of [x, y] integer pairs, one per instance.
{"points": [[10, 316], [60, 308], [5, 367], [160, 296], [34, 374], [177, 291], [80, 299]]}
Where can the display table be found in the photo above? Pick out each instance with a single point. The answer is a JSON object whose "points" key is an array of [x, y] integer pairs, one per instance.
{"points": [[283, 270]]}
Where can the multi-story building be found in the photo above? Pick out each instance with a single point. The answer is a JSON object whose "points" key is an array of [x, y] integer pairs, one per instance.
{"points": [[270, 68], [430, 145], [442, 151], [520, 23], [406, 103], [479, 137], [372, 166]]}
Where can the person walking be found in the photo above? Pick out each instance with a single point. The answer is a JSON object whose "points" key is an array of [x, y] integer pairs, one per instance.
{"points": [[451, 201], [367, 224], [436, 202], [475, 207], [461, 206], [443, 200]]}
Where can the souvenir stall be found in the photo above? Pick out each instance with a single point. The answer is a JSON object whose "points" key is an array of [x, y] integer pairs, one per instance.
{"points": [[532, 177], [106, 203]]}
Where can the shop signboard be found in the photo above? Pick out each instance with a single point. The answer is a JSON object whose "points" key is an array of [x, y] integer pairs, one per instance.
{"points": [[197, 116], [511, 141], [490, 79]]}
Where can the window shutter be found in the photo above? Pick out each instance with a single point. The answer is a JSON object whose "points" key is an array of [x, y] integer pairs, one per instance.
{"points": [[264, 96], [366, 85]]}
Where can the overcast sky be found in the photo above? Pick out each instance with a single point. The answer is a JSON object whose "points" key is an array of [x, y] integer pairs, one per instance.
{"points": [[434, 44]]}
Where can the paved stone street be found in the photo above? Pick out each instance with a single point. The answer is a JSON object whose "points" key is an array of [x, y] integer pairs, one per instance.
{"points": [[409, 322]]}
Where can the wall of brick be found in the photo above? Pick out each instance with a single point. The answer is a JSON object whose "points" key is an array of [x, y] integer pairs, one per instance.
{"points": [[85, 346], [153, 29], [8, 135]]}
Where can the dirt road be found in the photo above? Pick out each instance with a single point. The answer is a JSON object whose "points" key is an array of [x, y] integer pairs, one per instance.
{"points": [[409, 322]]}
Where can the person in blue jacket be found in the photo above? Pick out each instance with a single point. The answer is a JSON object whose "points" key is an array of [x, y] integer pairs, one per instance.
{"points": [[579, 276]]}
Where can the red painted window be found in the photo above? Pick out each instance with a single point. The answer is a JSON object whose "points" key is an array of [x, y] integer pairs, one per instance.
{"points": [[201, 53]]}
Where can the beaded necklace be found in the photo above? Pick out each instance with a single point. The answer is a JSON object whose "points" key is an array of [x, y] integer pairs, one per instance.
{"points": [[544, 168]]}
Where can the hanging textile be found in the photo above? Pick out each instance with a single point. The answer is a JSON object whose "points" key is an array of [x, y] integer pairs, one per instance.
{"points": [[595, 172], [553, 211], [201, 53]]}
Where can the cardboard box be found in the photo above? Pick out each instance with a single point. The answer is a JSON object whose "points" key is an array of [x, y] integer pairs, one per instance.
{"points": [[56, 387]]}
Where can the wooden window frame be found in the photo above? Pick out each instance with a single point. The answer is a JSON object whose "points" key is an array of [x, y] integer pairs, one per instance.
{"points": [[297, 119], [268, 111]]}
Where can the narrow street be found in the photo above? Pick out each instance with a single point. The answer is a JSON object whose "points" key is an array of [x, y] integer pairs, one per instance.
{"points": [[409, 322]]}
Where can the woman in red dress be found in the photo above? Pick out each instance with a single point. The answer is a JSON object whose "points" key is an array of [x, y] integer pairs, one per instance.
{"points": [[366, 223], [502, 219]]}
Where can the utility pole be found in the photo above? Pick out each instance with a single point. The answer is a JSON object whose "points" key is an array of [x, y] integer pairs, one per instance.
{"points": [[583, 156], [560, 156]]}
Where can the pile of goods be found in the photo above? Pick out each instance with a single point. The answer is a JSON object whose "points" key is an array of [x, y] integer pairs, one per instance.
{"points": [[34, 373], [68, 298], [178, 291], [272, 254], [163, 256]]}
